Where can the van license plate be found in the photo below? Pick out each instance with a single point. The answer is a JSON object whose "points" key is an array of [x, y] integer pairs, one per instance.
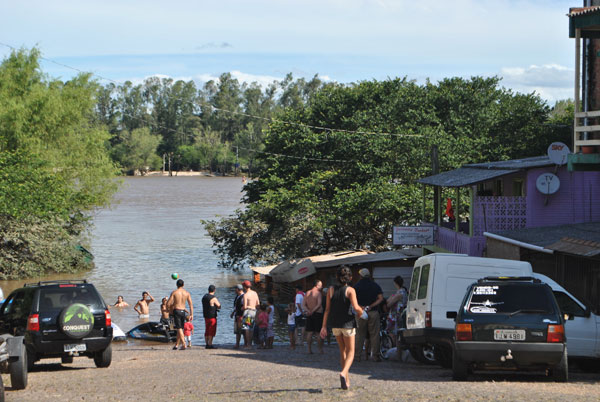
{"points": [[509, 335], [75, 347]]}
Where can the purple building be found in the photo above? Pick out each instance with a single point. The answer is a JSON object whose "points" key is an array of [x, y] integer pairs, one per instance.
{"points": [[508, 209]]}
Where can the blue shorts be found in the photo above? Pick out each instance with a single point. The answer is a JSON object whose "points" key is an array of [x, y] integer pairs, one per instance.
{"points": [[291, 327]]}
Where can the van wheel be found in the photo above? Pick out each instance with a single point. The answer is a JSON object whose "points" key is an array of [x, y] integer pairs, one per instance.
{"points": [[18, 370], [423, 353], [560, 373], [103, 358], [460, 369]]}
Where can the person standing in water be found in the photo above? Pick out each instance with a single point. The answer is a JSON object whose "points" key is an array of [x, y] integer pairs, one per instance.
{"points": [[340, 318], [142, 306], [176, 303]]}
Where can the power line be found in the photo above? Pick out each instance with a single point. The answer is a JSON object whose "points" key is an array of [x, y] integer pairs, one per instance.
{"points": [[270, 119]]}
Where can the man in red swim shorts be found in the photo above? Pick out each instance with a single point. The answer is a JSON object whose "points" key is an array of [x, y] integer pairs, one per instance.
{"points": [[210, 307]]}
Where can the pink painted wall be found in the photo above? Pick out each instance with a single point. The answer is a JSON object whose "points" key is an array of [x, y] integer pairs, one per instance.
{"points": [[576, 201]]}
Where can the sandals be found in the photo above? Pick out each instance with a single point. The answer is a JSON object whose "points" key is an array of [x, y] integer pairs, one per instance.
{"points": [[343, 382]]}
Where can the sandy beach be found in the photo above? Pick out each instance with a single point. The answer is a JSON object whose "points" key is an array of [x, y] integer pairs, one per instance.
{"points": [[158, 373]]}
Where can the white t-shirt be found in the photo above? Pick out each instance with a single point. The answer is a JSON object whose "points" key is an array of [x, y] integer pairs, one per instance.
{"points": [[271, 314], [291, 319], [299, 299]]}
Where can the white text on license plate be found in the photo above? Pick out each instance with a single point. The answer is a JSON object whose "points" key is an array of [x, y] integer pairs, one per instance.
{"points": [[509, 335], [75, 347]]}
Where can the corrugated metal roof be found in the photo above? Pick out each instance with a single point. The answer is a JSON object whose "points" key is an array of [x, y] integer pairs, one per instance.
{"points": [[345, 258], [464, 177], [479, 172], [524, 163], [547, 235], [569, 245], [577, 11]]}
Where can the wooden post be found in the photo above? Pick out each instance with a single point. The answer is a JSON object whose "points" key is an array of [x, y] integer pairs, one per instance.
{"points": [[435, 169], [576, 94], [456, 215], [424, 203], [472, 201]]}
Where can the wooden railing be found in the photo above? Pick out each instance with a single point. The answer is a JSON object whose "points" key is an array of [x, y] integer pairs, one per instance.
{"points": [[581, 128]]}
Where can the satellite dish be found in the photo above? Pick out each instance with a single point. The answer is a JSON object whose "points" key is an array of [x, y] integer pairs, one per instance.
{"points": [[547, 183], [557, 152]]}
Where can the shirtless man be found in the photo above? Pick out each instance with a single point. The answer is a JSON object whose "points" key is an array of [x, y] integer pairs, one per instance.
{"points": [[251, 303], [312, 305], [176, 304], [142, 308]]}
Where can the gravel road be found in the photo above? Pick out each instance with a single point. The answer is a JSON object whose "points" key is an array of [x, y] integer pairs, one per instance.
{"points": [[144, 372]]}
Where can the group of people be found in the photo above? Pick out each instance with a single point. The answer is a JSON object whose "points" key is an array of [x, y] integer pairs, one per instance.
{"points": [[351, 313]]}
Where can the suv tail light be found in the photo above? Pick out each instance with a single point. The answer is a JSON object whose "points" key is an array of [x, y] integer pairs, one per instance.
{"points": [[463, 332], [428, 319], [33, 323], [556, 333], [107, 318]]}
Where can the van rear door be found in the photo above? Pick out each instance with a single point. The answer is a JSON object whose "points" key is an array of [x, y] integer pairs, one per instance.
{"points": [[417, 299]]}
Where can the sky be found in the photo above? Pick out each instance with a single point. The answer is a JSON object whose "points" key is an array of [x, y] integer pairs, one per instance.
{"points": [[525, 42]]}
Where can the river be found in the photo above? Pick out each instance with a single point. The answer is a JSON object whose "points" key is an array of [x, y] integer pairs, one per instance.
{"points": [[152, 230]]}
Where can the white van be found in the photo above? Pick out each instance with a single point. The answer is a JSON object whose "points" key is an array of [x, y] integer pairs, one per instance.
{"points": [[438, 284], [582, 329]]}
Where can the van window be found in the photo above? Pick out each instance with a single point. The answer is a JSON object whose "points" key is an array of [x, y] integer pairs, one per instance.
{"points": [[423, 282], [414, 283], [567, 305]]}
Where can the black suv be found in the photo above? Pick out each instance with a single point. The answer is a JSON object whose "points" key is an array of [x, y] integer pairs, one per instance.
{"points": [[59, 319], [509, 323]]}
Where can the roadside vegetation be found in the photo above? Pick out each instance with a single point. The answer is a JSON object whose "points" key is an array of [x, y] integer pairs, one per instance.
{"points": [[54, 168]]}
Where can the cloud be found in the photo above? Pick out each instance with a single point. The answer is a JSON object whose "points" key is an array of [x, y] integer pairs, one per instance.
{"points": [[551, 81], [214, 45], [201, 79]]}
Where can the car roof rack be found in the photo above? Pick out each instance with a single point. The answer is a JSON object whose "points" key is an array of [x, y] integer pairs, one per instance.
{"points": [[58, 282], [509, 278]]}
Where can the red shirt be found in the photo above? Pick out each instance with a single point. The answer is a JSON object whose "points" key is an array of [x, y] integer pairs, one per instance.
{"points": [[188, 327]]}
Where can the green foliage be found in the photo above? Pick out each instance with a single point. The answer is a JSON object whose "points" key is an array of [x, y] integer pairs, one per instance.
{"points": [[309, 205], [137, 150], [53, 164], [33, 247]]}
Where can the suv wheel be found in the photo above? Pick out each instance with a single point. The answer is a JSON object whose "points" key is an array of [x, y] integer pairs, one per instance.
{"points": [[104, 357], [76, 321], [18, 370], [560, 373], [460, 369]]}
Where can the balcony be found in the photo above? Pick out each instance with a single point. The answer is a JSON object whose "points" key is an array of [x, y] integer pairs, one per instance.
{"points": [[497, 214]]}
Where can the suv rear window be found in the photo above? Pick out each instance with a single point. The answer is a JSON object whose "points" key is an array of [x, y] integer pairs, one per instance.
{"points": [[57, 298], [491, 299]]}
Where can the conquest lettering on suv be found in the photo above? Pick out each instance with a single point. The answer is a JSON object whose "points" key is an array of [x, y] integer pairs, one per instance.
{"points": [[59, 319], [509, 323]]}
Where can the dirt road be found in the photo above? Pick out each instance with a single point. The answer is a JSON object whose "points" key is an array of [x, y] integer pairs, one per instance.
{"points": [[159, 373]]}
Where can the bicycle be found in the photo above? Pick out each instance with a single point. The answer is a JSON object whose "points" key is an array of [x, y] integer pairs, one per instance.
{"points": [[385, 340]]}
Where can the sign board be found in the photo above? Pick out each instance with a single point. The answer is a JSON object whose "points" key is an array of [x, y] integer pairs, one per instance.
{"points": [[412, 235]]}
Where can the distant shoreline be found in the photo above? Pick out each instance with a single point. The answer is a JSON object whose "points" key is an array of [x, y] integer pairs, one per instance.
{"points": [[154, 173]]}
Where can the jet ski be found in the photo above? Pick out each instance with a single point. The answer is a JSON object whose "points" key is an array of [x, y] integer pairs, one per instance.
{"points": [[118, 334], [153, 331]]}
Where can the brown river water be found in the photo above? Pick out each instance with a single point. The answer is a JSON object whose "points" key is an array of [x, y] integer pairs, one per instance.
{"points": [[152, 230]]}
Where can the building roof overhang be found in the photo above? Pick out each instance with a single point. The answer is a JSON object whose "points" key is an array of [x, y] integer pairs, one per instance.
{"points": [[587, 19]]}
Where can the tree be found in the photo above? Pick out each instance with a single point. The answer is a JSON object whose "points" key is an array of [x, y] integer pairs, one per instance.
{"points": [[54, 164], [137, 150], [327, 190]]}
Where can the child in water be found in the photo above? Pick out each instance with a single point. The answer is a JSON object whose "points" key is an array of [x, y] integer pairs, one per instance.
{"points": [[262, 320], [291, 320]]}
